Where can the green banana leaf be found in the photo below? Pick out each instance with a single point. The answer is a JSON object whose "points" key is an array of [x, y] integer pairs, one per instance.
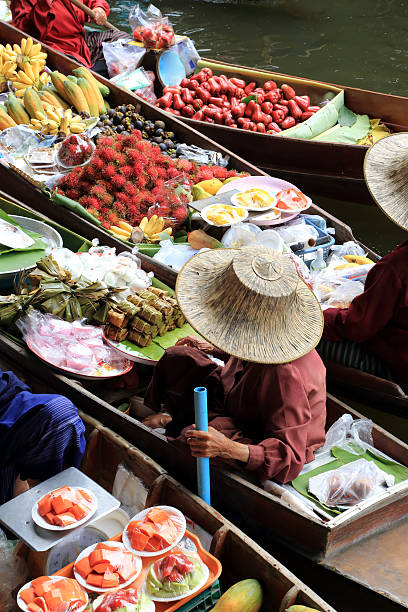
{"points": [[346, 134]]}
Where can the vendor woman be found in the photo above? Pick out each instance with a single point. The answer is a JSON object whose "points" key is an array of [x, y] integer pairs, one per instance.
{"points": [[60, 24], [40, 435], [267, 404], [372, 334]]}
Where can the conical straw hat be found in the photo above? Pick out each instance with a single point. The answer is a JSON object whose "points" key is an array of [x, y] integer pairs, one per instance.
{"points": [[250, 303], [386, 175]]}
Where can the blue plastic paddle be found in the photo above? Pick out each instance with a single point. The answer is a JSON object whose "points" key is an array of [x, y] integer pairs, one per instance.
{"points": [[203, 463]]}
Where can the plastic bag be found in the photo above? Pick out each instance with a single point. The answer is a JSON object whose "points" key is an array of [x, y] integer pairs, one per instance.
{"points": [[338, 269], [338, 294], [120, 56], [173, 567], [301, 268], [174, 255], [349, 484], [74, 151], [353, 436], [129, 490], [151, 28], [347, 248], [75, 346], [172, 201], [201, 156], [240, 235], [13, 572], [188, 54], [298, 233]]}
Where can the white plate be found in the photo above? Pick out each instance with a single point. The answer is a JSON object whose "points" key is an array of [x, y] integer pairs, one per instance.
{"points": [[239, 220], [41, 522], [206, 573], [262, 209], [87, 552], [23, 606], [180, 524], [294, 210]]}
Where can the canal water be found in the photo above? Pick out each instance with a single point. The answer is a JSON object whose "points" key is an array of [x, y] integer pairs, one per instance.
{"points": [[357, 43]]}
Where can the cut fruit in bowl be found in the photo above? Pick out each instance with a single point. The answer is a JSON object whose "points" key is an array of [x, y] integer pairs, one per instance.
{"points": [[154, 531], [223, 214], [106, 566], [254, 199], [124, 599], [291, 200], [175, 576], [64, 508], [50, 593]]}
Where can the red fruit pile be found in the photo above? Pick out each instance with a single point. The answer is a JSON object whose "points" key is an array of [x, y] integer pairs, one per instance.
{"points": [[75, 150], [157, 37], [218, 99], [128, 175]]}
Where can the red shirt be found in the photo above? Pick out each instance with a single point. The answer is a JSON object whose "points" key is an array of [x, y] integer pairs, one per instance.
{"points": [[379, 316], [57, 23]]}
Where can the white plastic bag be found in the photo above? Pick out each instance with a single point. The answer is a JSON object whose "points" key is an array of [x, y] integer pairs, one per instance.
{"points": [[120, 56], [353, 436], [347, 248], [129, 490], [240, 235], [339, 294], [349, 484]]}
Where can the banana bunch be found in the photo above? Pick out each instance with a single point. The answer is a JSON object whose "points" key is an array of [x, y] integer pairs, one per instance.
{"points": [[7, 69], [153, 228], [26, 52], [122, 230], [57, 121], [32, 75]]}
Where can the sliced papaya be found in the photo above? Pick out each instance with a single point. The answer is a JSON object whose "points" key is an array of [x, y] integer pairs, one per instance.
{"points": [[101, 568], [50, 517], [139, 540], [110, 580], [80, 511], [40, 602], [44, 505], [61, 504], [54, 599], [83, 567], [63, 520], [41, 585], [28, 595], [32, 607], [126, 570], [103, 546], [95, 580]]}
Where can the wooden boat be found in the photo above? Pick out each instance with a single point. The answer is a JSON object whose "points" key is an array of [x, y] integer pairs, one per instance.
{"points": [[337, 544], [335, 170], [240, 556]]}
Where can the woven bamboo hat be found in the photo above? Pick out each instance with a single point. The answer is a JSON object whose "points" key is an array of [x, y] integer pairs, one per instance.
{"points": [[250, 303], [386, 175]]}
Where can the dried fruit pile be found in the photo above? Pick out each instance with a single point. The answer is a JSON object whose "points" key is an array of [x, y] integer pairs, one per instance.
{"points": [[128, 179], [233, 102]]}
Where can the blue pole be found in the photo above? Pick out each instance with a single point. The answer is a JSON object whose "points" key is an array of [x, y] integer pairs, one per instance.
{"points": [[203, 463]]}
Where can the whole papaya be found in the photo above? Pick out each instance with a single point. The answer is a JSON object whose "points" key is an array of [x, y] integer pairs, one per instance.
{"points": [[300, 609], [245, 595]]}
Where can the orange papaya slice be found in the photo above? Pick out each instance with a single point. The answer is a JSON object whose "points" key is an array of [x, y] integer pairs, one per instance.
{"points": [[28, 595], [83, 567]]}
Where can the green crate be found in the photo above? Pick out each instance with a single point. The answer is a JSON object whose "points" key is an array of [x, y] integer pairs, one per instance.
{"points": [[204, 601]]}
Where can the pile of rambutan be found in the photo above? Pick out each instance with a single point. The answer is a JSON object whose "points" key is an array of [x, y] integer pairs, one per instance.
{"points": [[129, 178]]}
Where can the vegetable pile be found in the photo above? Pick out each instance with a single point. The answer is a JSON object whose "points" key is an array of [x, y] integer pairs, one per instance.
{"points": [[47, 595], [65, 506], [235, 103], [107, 567], [155, 532]]}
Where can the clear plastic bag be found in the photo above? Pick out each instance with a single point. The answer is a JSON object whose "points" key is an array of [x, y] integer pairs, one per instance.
{"points": [[75, 151], [339, 294], [13, 572], [173, 567], [188, 54], [349, 484], [201, 156], [354, 436], [129, 490], [122, 57], [172, 201], [151, 28], [347, 248], [298, 232], [240, 235], [174, 255], [75, 346]]}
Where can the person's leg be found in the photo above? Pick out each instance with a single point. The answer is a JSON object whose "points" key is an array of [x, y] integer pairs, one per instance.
{"points": [[354, 355]]}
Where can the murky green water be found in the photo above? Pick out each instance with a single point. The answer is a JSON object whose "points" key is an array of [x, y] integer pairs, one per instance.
{"points": [[361, 43]]}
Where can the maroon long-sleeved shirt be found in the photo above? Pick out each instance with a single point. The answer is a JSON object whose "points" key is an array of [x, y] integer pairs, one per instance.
{"points": [[279, 411], [57, 23], [379, 316]]}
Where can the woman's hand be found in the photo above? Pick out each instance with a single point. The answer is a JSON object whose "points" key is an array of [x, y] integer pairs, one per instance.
{"points": [[100, 16], [196, 342], [156, 421], [213, 443]]}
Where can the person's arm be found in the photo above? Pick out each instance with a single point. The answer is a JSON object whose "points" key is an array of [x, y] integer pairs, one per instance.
{"points": [[100, 8], [369, 312], [21, 12]]}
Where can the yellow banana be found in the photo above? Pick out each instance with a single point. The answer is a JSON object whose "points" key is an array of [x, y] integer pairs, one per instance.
{"points": [[17, 49], [77, 128], [35, 49], [24, 78], [23, 45], [29, 45], [125, 226], [143, 223], [29, 71], [19, 85]]}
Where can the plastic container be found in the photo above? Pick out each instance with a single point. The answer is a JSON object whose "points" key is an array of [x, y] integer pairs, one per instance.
{"points": [[324, 241], [270, 239], [205, 601], [318, 262]]}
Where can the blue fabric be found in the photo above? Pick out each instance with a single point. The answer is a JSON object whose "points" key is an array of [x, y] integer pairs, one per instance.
{"points": [[40, 434]]}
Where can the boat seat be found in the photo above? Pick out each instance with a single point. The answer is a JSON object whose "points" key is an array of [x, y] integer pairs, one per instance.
{"points": [[365, 384]]}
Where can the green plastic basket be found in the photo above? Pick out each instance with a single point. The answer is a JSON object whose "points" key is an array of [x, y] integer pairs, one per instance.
{"points": [[205, 601]]}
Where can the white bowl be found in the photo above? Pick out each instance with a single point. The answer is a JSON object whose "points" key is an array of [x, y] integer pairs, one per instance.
{"points": [[239, 220], [180, 522], [41, 522]]}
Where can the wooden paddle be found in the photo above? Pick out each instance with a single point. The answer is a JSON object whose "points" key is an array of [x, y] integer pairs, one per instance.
{"points": [[88, 11]]}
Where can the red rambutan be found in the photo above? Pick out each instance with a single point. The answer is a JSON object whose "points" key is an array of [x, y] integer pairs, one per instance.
{"points": [[180, 214], [109, 171], [92, 201], [220, 173], [205, 173], [120, 159], [118, 181], [130, 188], [231, 173], [107, 153], [71, 180], [106, 141], [184, 165], [123, 198], [126, 170], [105, 223]]}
